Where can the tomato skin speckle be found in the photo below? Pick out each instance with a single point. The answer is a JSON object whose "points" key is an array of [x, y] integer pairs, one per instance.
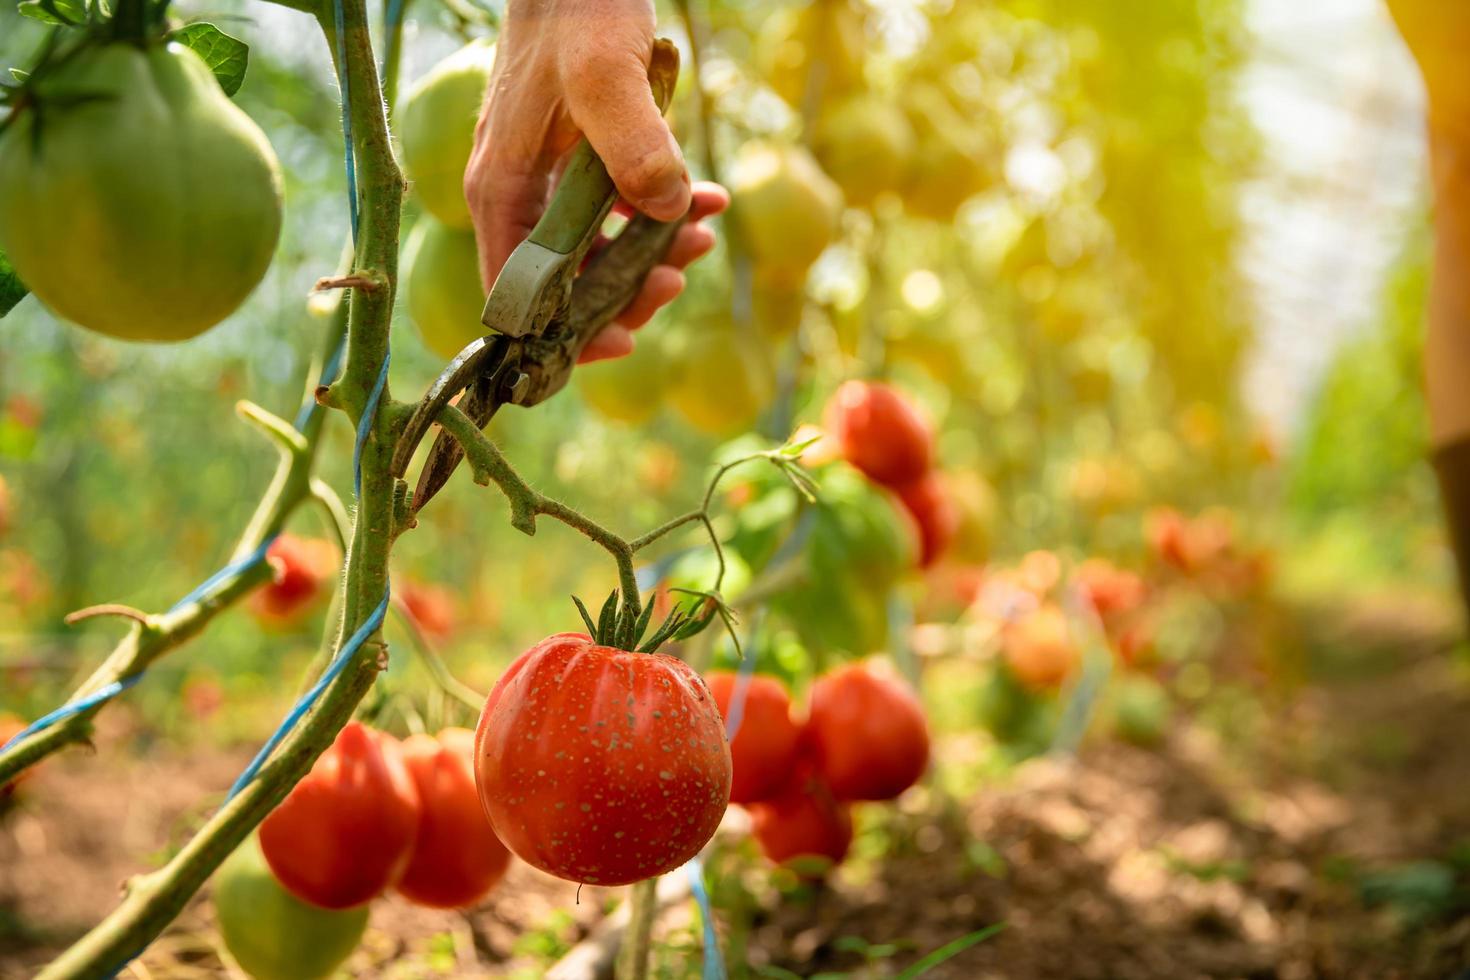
{"points": [[599, 765]]}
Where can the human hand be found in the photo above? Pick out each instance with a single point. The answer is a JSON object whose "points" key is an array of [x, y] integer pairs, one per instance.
{"points": [[564, 69]]}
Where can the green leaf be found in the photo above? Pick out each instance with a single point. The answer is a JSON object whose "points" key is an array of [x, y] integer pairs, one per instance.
{"points": [[62, 12], [226, 56], [19, 74], [12, 290], [948, 950]]}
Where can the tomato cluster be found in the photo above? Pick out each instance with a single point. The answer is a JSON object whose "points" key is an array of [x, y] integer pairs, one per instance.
{"points": [[881, 432], [864, 738], [374, 814]]}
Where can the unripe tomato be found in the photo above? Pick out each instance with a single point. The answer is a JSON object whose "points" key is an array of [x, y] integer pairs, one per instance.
{"points": [[806, 827], [928, 500], [785, 207], [865, 145], [721, 378], [627, 389], [776, 305], [145, 205], [813, 52], [301, 567], [457, 858], [868, 733], [436, 126], [880, 432], [601, 766], [441, 275], [1039, 647], [346, 831], [272, 934], [948, 163], [764, 748]]}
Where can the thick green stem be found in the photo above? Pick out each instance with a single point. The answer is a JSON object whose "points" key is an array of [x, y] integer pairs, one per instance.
{"points": [[153, 900]]}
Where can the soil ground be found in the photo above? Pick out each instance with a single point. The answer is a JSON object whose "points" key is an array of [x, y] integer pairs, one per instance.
{"points": [[1329, 840]]}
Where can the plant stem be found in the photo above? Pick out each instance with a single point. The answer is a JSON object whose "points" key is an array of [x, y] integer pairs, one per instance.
{"points": [[633, 956], [153, 900], [145, 643]]}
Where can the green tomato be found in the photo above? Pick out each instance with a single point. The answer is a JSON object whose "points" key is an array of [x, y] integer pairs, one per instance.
{"points": [[785, 206], [441, 274], [722, 378], [858, 531], [436, 126], [145, 205], [272, 934], [865, 144], [627, 389]]}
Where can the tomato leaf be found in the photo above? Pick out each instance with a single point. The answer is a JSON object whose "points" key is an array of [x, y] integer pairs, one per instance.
{"points": [[12, 290], [66, 13], [226, 56]]}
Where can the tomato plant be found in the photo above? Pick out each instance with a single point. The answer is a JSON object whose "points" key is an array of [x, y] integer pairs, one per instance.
{"points": [[457, 858], [601, 765], [868, 733], [346, 831], [806, 827], [148, 205], [764, 748], [272, 934]]}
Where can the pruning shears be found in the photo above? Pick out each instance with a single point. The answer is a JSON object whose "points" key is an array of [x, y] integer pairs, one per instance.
{"points": [[546, 304]]}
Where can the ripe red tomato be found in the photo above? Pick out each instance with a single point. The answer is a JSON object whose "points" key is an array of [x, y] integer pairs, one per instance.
{"points": [[764, 748], [301, 566], [1113, 591], [867, 733], [1039, 647], [431, 606], [880, 432], [457, 858], [599, 765], [346, 831], [806, 827], [928, 500]]}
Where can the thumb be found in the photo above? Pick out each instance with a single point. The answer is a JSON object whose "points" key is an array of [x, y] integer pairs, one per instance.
{"points": [[610, 101]]}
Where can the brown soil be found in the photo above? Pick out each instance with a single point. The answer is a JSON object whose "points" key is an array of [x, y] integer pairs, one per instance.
{"points": [[1205, 857]]}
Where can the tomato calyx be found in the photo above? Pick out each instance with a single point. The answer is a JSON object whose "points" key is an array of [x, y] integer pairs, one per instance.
{"points": [[623, 625]]}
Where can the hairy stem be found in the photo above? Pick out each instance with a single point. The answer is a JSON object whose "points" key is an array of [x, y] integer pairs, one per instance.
{"points": [[633, 956]]}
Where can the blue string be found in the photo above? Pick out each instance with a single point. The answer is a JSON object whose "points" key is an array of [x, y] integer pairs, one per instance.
{"points": [[349, 162], [339, 663], [74, 708], [365, 424], [714, 963]]}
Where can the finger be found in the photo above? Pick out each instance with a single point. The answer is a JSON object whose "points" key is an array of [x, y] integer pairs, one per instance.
{"points": [[612, 341], [692, 242], [663, 283], [608, 96], [709, 199]]}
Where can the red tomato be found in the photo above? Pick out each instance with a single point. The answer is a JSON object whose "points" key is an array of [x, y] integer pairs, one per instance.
{"points": [[806, 826], [934, 512], [1112, 591], [346, 831], [457, 858], [432, 607], [301, 566], [880, 432], [599, 765], [867, 732], [1039, 647], [764, 749]]}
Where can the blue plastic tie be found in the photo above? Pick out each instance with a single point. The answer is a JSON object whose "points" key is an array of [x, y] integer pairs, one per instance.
{"points": [[339, 663], [714, 962], [349, 162], [74, 708], [365, 424]]}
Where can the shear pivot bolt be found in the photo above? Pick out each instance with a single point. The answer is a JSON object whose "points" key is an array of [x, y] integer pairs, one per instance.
{"points": [[513, 388]]}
